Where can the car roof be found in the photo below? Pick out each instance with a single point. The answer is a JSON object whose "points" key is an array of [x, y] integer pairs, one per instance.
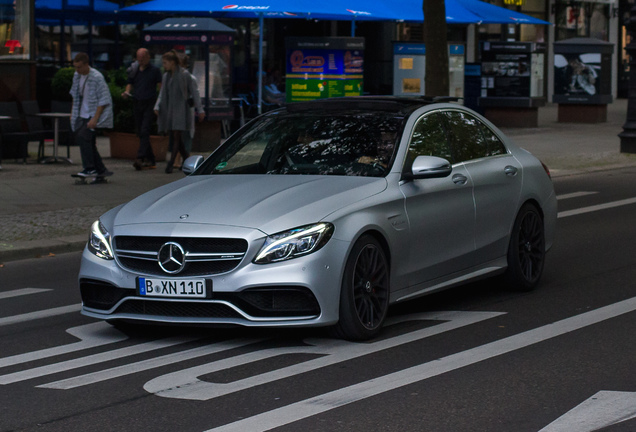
{"points": [[395, 104]]}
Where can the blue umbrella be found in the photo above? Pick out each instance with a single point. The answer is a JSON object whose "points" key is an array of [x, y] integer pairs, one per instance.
{"points": [[99, 5], [467, 12], [346, 10]]}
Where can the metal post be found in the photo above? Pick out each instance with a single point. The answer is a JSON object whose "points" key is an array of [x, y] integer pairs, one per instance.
{"points": [[260, 63], [628, 136]]}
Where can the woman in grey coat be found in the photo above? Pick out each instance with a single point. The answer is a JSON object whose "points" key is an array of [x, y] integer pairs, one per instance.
{"points": [[174, 115]]}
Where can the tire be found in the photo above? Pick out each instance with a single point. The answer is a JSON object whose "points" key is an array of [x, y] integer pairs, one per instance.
{"points": [[526, 250], [364, 295]]}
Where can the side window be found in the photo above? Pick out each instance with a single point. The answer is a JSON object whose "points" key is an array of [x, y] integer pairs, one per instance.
{"points": [[466, 138], [429, 139], [495, 146]]}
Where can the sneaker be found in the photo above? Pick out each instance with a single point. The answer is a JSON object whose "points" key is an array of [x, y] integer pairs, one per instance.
{"points": [[105, 173], [87, 173], [138, 164], [148, 165]]}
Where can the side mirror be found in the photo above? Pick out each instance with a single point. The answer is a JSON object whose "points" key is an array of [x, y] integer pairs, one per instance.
{"points": [[191, 164], [429, 167]]}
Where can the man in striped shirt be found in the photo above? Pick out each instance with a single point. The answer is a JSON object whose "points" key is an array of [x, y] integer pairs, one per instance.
{"points": [[92, 108]]}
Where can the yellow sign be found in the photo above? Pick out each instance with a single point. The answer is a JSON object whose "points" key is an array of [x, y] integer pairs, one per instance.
{"points": [[514, 2]]}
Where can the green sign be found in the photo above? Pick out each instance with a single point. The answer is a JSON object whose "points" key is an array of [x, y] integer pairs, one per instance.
{"points": [[319, 68], [300, 89]]}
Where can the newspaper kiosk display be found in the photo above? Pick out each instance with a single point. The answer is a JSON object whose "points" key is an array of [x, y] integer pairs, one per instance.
{"points": [[583, 79], [320, 68], [512, 82], [409, 69], [207, 42]]}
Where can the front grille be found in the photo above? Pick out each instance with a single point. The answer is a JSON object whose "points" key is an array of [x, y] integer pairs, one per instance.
{"points": [[177, 309], [204, 256], [101, 295]]}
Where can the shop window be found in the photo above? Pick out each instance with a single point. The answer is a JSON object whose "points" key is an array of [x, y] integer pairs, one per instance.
{"points": [[14, 30], [582, 20]]}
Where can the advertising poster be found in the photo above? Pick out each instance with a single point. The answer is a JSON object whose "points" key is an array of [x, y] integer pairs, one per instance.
{"points": [[320, 68], [506, 70], [577, 76]]}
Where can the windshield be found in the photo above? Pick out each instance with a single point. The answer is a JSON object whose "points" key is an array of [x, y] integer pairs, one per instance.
{"points": [[351, 144]]}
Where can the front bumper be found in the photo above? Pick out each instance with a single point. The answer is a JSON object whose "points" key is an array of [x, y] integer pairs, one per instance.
{"points": [[304, 291]]}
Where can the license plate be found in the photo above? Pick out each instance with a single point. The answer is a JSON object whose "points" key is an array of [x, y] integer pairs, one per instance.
{"points": [[172, 288]]}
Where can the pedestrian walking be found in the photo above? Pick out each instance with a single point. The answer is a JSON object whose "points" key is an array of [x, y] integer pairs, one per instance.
{"points": [[173, 105], [92, 109], [196, 109], [143, 79]]}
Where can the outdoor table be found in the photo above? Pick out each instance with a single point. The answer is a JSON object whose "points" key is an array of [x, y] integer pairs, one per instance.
{"points": [[56, 116]]}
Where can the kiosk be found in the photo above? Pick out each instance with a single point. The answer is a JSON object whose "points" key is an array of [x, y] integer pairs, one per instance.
{"points": [[208, 44], [512, 80], [324, 67], [582, 79], [409, 69]]}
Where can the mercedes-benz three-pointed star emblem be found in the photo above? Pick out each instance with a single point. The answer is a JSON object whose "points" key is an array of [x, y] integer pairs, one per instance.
{"points": [[171, 257]]}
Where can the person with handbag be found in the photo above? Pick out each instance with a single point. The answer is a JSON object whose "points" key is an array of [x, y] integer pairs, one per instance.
{"points": [[174, 114]]}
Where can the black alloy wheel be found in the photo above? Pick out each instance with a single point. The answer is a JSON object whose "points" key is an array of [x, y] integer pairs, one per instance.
{"points": [[364, 297], [526, 253]]}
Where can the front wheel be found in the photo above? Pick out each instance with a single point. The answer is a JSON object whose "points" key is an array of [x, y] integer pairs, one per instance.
{"points": [[364, 295], [526, 251]]}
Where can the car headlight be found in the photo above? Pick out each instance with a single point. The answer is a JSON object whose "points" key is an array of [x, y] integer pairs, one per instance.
{"points": [[294, 243], [99, 241]]}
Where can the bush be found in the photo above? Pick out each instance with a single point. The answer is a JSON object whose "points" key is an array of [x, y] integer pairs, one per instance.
{"points": [[124, 119], [61, 84]]}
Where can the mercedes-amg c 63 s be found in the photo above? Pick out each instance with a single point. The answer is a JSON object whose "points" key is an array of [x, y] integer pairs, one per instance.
{"points": [[323, 214]]}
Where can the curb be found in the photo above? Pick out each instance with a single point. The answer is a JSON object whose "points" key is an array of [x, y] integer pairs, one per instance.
{"points": [[39, 248]]}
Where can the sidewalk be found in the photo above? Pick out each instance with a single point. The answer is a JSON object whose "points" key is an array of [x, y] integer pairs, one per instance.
{"points": [[43, 211]]}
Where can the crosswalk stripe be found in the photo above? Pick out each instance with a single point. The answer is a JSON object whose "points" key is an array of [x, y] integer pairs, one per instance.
{"points": [[40, 314], [22, 292]]}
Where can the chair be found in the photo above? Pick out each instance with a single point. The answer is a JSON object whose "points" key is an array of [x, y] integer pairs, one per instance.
{"points": [[13, 140], [35, 126]]}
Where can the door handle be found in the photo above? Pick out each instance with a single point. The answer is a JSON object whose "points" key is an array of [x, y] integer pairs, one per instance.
{"points": [[511, 171], [460, 179]]}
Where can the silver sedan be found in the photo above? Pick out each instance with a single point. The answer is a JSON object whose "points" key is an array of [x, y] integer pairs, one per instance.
{"points": [[323, 214]]}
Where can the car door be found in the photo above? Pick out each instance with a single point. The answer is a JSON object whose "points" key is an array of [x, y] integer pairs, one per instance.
{"points": [[496, 177], [440, 211]]}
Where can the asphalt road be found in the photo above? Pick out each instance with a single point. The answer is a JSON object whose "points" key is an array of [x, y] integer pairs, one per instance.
{"points": [[560, 358]]}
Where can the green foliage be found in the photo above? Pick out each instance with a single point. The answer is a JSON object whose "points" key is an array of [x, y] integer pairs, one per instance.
{"points": [[61, 84], [122, 108]]}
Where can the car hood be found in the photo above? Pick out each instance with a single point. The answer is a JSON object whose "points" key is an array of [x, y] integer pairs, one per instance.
{"points": [[270, 203]]}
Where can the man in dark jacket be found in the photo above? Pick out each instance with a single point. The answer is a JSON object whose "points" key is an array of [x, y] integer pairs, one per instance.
{"points": [[143, 80]]}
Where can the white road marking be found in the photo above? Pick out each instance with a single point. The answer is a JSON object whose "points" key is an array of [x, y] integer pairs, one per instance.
{"points": [[338, 398], [40, 314], [598, 207], [144, 365], [90, 335], [574, 195], [184, 384], [457, 319], [91, 360], [22, 292], [604, 409]]}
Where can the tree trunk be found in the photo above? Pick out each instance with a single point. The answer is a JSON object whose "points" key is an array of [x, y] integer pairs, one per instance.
{"points": [[436, 78]]}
